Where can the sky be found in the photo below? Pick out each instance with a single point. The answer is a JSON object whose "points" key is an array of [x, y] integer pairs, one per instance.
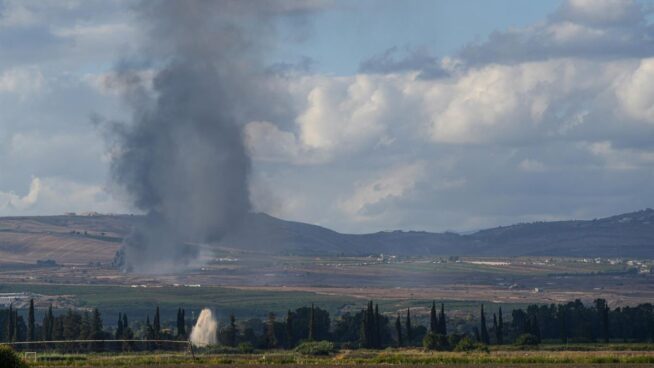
{"points": [[424, 115]]}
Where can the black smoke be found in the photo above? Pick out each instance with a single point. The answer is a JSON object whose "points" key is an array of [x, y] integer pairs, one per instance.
{"points": [[182, 158]]}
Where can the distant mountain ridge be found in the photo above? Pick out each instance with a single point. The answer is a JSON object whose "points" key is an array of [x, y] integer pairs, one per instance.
{"points": [[80, 239], [626, 235]]}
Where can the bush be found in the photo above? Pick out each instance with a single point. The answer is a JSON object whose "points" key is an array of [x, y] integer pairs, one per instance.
{"points": [[9, 358], [466, 344], [433, 341], [526, 340], [316, 348], [245, 348], [454, 339]]}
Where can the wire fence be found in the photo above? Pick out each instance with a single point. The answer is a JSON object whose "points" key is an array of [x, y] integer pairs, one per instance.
{"points": [[99, 346]]}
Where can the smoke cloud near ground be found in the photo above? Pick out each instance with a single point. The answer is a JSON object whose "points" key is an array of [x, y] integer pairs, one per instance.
{"points": [[182, 158], [204, 333]]}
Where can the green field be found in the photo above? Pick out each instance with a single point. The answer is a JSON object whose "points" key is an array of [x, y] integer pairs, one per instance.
{"points": [[140, 302]]}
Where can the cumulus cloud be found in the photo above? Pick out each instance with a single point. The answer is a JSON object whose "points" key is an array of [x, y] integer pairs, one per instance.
{"points": [[12, 201], [369, 198], [54, 195], [394, 60], [636, 92], [604, 29], [22, 81]]}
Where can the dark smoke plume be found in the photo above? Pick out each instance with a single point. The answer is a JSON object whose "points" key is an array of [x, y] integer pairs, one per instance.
{"points": [[182, 158]]}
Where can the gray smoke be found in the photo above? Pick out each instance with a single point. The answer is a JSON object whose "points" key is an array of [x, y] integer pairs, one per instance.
{"points": [[182, 158]]}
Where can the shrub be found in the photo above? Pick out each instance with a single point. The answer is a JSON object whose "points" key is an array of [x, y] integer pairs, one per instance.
{"points": [[433, 341], [9, 358], [245, 348], [526, 340], [466, 344], [316, 348], [454, 339]]}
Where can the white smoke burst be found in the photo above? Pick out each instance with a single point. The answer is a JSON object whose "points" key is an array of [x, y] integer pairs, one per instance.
{"points": [[204, 332]]}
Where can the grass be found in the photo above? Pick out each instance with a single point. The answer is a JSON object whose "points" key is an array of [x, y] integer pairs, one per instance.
{"points": [[354, 357]]}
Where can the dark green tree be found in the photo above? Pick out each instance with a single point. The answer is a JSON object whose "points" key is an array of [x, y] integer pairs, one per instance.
{"points": [[483, 330], [495, 326], [85, 327], [312, 323], [433, 320], [499, 333], [561, 316], [181, 324], [9, 331], [290, 338], [232, 331], [270, 340], [398, 331], [119, 328], [603, 312], [442, 324], [409, 328], [72, 325], [31, 328], [156, 324]]}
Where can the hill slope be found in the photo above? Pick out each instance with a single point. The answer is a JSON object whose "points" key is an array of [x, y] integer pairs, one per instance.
{"points": [[81, 239]]}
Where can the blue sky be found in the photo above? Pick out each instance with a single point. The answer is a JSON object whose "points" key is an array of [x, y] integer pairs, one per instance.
{"points": [[341, 37], [427, 115]]}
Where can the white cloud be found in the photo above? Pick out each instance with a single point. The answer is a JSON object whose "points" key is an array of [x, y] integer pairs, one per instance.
{"points": [[530, 165], [53, 195], [619, 159], [10, 201], [22, 81], [602, 12], [369, 198], [16, 13], [636, 91]]}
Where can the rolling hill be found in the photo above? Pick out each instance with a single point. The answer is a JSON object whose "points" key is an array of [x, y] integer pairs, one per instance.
{"points": [[83, 239]]}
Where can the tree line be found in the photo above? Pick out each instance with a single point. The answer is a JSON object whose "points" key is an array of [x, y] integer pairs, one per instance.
{"points": [[366, 328]]}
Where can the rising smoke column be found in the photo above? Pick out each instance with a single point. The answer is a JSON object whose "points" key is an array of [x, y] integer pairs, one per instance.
{"points": [[182, 158]]}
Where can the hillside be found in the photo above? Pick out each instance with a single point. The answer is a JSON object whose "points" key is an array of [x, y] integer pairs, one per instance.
{"points": [[83, 239]]}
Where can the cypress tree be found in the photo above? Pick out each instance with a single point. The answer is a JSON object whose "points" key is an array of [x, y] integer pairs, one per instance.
{"points": [[119, 327], [271, 340], [10, 324], [605, 319], [377, 330], [31, 331], [433, 321], [156, 324], [85, 327], [50, 331], [442, 326], [535, 327], [96, 325], [500, 328], [409, 328], [312, 323], [181, 324], [45, 327], [398, 329], [289, 329], [149, 331], [495, 325], [184, 321], [232, 332], [483, 329]]}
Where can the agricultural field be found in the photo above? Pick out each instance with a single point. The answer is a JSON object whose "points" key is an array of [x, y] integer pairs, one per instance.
{"points": [[604, 356], [238, 282]]}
